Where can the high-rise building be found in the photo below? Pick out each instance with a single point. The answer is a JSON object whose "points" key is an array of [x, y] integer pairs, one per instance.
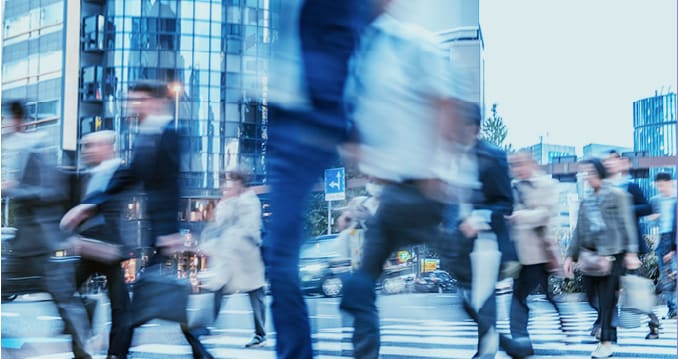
{"points": [[544, 153], [33, 58], [654, 125], [73, 60], [654, 133]]}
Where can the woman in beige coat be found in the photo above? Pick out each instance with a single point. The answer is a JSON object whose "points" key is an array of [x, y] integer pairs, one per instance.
{"points": [[233, 244], [535, 207]]}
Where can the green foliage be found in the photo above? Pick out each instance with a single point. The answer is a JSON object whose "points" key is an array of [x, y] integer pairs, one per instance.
{"points": [[493, 129]]}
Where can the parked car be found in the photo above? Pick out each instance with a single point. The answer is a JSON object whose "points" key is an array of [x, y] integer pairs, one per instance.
{"points": [[437, 281], [321, 269]]}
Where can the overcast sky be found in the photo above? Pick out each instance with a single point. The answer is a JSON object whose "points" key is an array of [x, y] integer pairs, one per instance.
{"points": [[570, 70]]}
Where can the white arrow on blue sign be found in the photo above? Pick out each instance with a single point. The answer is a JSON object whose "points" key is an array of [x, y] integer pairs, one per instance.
{"points": [[335, 184]]}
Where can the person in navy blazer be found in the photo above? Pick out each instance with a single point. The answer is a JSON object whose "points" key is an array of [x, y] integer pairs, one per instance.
{"points": [[155, 166]]}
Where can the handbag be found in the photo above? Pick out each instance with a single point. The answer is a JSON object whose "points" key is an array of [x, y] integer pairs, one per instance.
{"points": [[636, 299], [594, 265], [158, 295]]}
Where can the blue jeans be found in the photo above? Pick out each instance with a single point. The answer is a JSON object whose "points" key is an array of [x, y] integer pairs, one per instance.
{"points": [[404, 217], [294, 166]]}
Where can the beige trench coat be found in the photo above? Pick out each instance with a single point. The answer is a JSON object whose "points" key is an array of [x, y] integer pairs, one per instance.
{"points": [[535, 211], [233, 245]]}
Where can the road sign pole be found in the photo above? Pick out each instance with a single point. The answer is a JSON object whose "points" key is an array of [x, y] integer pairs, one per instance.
{"points": [[329, 217]]}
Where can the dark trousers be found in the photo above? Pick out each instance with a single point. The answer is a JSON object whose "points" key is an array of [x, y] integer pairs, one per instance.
{"points": [[530, 277], [120, 303], [257, 297], [59, 274], [602, 293], [404, 217]]}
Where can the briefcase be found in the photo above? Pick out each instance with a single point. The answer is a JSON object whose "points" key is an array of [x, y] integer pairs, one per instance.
{"points": [[158, 295]]}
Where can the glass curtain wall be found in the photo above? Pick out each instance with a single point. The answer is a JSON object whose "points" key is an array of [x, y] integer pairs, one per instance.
{"points": [[215, 55]]}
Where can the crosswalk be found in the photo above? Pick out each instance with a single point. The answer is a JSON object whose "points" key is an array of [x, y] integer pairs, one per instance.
{"points": [[412, 338]]}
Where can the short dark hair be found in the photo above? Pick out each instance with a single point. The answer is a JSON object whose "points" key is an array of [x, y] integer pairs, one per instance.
{"points": [[239, 175], [17, 109], [156, 89], [663, 176], [598, 166]]}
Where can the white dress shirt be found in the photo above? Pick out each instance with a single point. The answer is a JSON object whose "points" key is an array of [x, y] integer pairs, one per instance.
{"points": [[397, 80]]}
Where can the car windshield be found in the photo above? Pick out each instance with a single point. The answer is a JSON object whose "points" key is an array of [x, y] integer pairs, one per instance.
{"points": [[319, 249]]}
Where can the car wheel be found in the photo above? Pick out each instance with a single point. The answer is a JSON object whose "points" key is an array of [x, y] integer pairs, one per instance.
{"points": [[9, 297], [331, 287]]}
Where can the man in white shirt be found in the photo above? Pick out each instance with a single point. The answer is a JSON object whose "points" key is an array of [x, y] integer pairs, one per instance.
{"points": [[402, 94]]}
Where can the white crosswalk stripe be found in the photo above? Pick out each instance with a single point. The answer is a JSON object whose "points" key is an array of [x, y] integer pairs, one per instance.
{"points": [[445, 339]]}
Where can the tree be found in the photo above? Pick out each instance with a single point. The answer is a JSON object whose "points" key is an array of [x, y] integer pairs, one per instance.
{"points": [[494, 131]]}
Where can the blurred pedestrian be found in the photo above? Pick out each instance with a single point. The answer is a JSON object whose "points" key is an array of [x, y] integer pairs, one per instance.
{"points": [[39, 193], [604, 242], [310, 63], [536, 206], [233, 245], [477, 247], [400, 74], [664, 207], [98, 153], [617, 169], [155, 166], [351, 239]]}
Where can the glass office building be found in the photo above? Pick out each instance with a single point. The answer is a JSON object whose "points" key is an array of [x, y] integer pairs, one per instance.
{"points": [[32, 62], [214, 54], [654, 133], [654, 125]]}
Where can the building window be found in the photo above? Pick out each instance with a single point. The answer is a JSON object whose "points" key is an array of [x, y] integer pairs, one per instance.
{"points": [[93, 33], [91, 89]]}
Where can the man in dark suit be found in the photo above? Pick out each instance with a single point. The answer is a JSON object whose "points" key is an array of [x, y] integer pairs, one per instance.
{"points": [[98, 152], [478, 228], [155, 165], [39, 194]]}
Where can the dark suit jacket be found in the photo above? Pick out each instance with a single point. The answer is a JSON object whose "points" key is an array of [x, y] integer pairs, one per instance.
{"points": [[107, 224], [155, 165], [641, 208], [39, 201], [496, 194]]}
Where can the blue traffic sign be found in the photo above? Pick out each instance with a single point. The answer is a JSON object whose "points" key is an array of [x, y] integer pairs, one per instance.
{"points": [[335, 184]]}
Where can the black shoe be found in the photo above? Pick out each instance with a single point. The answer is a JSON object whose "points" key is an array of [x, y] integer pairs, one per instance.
{"points": [[652, 335], [519, 348], [670, 315], [654, 331], [256, 342]]}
